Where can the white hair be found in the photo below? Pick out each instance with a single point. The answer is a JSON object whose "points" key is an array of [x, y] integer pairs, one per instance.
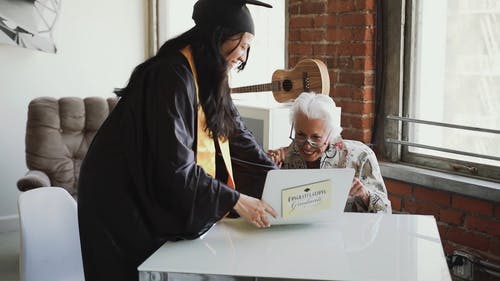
{"points": [[318, 106]]}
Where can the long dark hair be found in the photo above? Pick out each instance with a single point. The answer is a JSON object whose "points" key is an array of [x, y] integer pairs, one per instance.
{"points": [[212, 70]]}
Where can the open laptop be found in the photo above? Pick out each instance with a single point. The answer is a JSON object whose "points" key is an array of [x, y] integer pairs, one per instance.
{"points": [[307, 195]]}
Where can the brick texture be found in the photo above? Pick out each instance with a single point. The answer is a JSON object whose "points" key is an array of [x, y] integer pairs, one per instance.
{"points": [[452, 217], [364, 5], [485, 225], [467, 238], [338, 6], [495, 246], [342, 34], [396, 203], [398, 188], [439, 197], [421, 207], [497, 211], [476, 206]]}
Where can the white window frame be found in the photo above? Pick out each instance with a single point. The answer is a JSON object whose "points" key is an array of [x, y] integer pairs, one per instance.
{"points": [[401, 164]]}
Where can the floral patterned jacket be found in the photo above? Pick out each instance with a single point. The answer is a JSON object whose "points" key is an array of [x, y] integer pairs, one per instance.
{"points": [[356, 155]]}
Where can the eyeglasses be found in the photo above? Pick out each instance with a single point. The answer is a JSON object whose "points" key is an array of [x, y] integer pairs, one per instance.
{"points": [[301, 141]]}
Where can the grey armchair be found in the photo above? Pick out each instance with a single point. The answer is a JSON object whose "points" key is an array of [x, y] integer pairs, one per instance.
{"points": [[58, 134]]}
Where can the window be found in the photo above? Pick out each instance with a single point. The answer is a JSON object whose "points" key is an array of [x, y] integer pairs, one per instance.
{"points": [[442, 85]]}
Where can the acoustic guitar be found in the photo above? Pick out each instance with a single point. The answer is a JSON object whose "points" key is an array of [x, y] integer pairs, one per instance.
{"points": [[309, 75]]}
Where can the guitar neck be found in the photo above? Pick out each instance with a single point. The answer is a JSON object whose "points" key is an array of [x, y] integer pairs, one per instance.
{"points": [[274, 86]]}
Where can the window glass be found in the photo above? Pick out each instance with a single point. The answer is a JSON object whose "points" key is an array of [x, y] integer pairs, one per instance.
{"points": [[455, 78]]}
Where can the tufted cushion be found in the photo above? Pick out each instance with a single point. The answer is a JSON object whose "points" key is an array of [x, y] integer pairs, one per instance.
{"points": [[59, 132]]}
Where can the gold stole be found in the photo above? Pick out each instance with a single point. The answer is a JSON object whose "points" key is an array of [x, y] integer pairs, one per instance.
{"points": [[205, 146]]}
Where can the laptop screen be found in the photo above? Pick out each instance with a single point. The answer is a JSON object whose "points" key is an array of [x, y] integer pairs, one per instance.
{"points": [[307, 195]]}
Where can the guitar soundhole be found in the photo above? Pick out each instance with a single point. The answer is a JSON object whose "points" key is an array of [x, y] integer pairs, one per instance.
{"points": [[287, 85]]}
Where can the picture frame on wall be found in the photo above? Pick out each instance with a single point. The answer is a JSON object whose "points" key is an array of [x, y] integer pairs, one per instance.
{"points": [[29, 23]]}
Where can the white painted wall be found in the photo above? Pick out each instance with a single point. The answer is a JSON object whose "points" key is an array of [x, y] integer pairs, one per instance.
{"points": [[99, 43]]}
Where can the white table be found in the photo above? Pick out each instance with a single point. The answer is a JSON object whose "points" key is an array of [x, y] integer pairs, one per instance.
{"points": [[354, 247]]}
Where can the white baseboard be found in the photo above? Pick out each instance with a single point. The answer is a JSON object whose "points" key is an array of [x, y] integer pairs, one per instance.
{"points": [[9, 223]]}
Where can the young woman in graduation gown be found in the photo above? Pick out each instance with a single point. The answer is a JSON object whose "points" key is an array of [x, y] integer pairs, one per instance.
{"points": [[174, 156]]}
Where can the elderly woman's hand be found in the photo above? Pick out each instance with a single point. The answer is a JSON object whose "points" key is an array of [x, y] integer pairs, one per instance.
{"points": [[254, 210], [277, 155], [359, 190]]}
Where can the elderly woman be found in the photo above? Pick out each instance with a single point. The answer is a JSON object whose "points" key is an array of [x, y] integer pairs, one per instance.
{"points": [[317, 144]]}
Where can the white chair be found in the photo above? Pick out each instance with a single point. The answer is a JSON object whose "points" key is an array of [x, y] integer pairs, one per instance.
{"points": [[50, 241]]}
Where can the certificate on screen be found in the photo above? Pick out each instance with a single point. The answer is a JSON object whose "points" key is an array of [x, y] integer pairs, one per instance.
{"points": [[306, 199], [307, 195]]}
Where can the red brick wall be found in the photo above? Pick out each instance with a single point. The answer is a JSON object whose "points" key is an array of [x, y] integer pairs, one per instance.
{"points": [[342, 34], [464, 223]]}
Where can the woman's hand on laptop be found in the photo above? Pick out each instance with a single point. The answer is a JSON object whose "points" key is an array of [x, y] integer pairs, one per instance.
{"points": [[254, 210]]}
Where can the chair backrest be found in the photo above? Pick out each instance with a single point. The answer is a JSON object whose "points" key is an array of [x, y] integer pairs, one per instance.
{"points": [[50, 239], [59, 132]]}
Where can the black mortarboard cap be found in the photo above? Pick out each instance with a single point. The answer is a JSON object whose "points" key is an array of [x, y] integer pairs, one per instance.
{"points": [[227, 13]]}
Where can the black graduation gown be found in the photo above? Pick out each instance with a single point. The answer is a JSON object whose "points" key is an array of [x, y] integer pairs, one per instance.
{"points": [[139, 184]]}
